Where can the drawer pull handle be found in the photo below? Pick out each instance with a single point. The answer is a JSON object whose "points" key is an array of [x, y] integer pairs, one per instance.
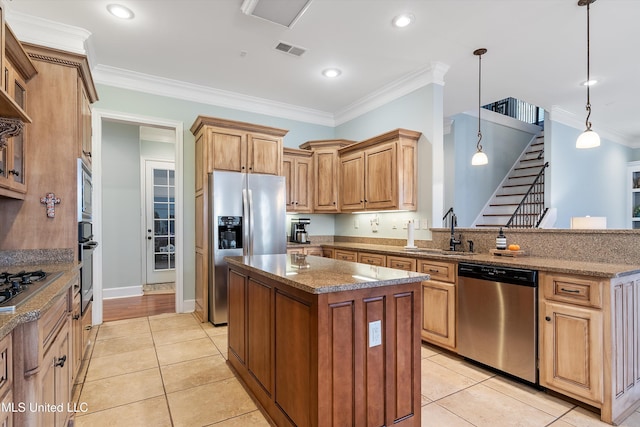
{"points": [[572, 291], [433, 270], [76, 317], [61, 361]]}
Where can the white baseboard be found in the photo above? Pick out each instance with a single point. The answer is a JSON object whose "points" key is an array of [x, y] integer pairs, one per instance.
{"points": [[189, 306], [123, 292]]}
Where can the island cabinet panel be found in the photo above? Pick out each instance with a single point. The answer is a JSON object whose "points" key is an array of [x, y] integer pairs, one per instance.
{"points": [[315, 363]]}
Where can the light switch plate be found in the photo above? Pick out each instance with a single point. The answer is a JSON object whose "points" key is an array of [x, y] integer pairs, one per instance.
{"points": [[375, 333], [425, 224]]}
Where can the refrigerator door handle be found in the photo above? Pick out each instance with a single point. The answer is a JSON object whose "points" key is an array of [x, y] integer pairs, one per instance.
{"points": [[245, 225], [250, 197]]}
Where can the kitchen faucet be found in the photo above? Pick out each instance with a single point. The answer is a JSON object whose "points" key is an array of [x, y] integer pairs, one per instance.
{"points": [[452, 241]]}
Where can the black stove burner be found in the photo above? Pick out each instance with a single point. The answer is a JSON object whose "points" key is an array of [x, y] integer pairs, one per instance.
{"points": [[13, 284]]}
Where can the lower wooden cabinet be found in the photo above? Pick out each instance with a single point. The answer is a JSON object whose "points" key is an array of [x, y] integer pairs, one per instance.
{"points": [[307, 250], [439, 303], [6, 382], [328, 252], [55, 377], [571, 336], [76, 334], [401, 263]]}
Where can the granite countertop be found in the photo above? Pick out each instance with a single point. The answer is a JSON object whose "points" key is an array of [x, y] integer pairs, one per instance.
{"points": [[33, 308], [318, 275], [552, 265]]}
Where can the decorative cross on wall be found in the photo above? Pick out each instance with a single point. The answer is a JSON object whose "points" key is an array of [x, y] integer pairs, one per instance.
{"points": [[51, 201]]}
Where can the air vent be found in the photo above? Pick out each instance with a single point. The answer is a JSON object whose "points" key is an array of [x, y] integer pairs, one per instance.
{"points": [[290, 49]]}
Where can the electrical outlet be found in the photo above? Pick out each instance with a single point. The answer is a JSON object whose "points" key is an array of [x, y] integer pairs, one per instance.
{"points": [[375, 333], [405, 224], [394, 224], [425, 224], [356, 223], [416, 224]]}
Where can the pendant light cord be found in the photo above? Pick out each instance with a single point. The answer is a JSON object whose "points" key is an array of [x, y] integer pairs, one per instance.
{"points": [[478, 146], [588, 107]]}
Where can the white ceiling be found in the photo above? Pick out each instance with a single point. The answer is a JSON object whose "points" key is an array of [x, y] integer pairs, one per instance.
{"points": [[536, 52]]}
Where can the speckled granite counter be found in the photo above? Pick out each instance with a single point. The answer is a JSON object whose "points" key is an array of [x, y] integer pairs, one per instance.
{"points": [[33, 308], [594, 269], [319, 275]]}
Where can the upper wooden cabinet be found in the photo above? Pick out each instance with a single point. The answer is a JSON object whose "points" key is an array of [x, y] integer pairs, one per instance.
{"points": [[17, 70], [240, 147], [326, 175], [297, 169], [380, 173]]}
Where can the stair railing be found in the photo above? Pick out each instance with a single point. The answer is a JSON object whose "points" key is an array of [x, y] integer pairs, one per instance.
{"points": [[531, 209]]}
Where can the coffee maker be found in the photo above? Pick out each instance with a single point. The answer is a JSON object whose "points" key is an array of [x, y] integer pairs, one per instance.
{"points": [[299, 230]]}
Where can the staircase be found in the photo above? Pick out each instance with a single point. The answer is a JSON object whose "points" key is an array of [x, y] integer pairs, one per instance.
{"points": [[514, 187]]}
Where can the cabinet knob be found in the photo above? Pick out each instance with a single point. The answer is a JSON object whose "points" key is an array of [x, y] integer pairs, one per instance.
{"points": [[61, 360], [86, 153], [548, 319], [334, 203], [87, 328], [14, 172], [76, 317], [242, 168]]}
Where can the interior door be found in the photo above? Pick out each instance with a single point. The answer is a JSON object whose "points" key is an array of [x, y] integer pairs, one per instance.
{"points": [[160, 221]]}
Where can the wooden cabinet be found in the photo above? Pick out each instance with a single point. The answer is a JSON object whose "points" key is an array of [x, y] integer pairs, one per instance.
{"points": [[84, 125], [326, 176], [306, 360], [372, 259], [51, 153], [380, 173], [76, 332], [328, 252], [571, 336], [56, 378], [17, 70], [297, 168], [439, 303], [227, 145], [401, 263], [306, 250], [345, 255], [6, 382]]}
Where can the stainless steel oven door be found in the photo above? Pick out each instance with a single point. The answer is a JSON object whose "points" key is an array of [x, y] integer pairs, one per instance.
{"points": [[86, 273], [85, 191]]}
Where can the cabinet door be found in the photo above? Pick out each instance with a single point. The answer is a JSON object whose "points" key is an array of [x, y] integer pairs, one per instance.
{"points": [[326, 181], [571, 350], [259, 337], [381, 178], [288, 168], [237, 316], [303, 183], [6, 417], [352, 182], [228, 151], [264, 154], [328, 252], [439, 313], [85, 123], [62, 374], [76, 334]]}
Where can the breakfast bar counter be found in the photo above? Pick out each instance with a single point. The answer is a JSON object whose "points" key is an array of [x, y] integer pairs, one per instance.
{"points": [[320, 342]]}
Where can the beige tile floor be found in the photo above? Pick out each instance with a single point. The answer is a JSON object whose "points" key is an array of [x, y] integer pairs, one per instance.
{"points": [[170, 370]]}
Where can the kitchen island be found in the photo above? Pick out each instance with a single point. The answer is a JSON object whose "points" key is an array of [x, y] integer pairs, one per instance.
{"points": [[321, 342]]}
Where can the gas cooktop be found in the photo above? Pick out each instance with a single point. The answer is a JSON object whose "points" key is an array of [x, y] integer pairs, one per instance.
{"points": [[16, 288]]}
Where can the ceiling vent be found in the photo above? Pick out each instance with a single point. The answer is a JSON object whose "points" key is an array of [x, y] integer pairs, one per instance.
{"points": [[282, 12], [290, 49]]}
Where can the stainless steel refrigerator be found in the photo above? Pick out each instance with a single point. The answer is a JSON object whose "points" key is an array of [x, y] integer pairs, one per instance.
{"points": [[247, 217]]}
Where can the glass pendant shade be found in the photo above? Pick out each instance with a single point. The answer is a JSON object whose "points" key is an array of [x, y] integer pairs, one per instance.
{"points": [[588, 139], [479, 159]]}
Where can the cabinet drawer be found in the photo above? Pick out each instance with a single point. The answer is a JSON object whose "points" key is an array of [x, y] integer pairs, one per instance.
{"points": [[346, 255], [6, 366], [313, 250], [577, 290], [372, 259], [402, 263], [443, 271], [327, 252], [52, 318]]}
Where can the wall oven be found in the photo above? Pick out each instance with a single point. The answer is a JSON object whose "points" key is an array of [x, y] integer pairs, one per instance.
{"points": [[85, 251], [85, 190]]}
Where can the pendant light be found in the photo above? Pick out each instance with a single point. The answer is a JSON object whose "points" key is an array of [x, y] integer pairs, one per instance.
{"points": [[588, 138], [480, 158]]}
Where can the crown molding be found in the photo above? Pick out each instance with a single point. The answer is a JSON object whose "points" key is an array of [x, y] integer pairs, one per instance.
{"points": [[560, 115], [433, 74], [42, 32], [131, 80]]}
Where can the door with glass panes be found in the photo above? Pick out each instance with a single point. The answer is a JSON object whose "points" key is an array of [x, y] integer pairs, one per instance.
{"points": [[160, 222]]}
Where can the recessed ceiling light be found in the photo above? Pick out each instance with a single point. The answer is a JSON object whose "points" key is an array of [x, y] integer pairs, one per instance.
{"points": [[120, 11], [589, 83], [331, 72], [403, 20]]}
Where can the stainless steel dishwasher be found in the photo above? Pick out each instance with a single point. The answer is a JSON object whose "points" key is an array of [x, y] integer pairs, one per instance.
{"points": [[498, 317]]}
